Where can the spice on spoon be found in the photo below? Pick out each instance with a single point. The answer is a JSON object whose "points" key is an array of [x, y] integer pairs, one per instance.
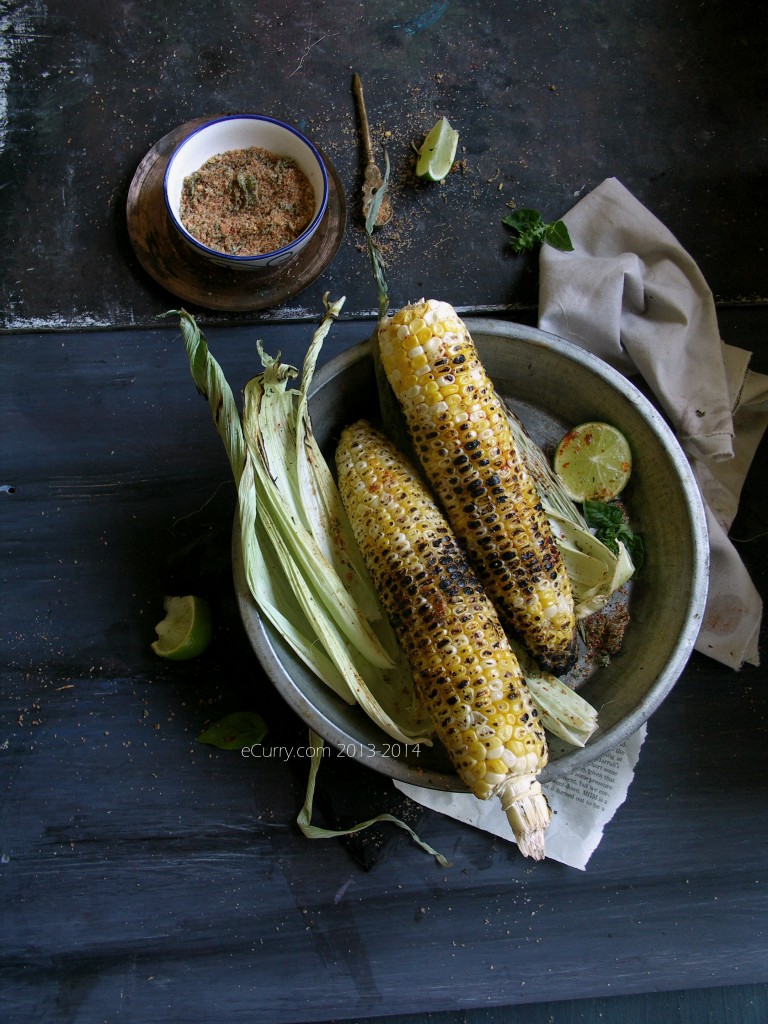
{"points": [[246, 202]]}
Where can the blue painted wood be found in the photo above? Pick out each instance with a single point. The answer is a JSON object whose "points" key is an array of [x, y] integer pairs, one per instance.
{"points": [[745, 1004], [148, 877]]}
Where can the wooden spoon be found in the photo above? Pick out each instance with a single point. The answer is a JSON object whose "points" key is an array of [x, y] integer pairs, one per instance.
{"points": [[373, 180]]}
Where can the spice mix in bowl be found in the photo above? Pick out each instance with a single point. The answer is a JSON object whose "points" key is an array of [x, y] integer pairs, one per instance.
{"points": [[246, 191]]}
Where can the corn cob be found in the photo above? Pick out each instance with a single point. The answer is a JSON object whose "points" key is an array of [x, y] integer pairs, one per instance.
{"points": [[460, 434], [465, 672]]}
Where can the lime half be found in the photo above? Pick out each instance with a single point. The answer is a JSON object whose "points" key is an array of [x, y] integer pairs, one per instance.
{"points": [[438, 151], [593, 461], [186, 629]]}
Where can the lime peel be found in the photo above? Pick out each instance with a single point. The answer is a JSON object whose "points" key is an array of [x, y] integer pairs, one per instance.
{"points": [[437, 152], [186, 630], [593, 462]]}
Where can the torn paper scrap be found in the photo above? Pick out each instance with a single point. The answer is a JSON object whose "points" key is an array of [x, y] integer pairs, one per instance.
{"points": [[582, 803]]}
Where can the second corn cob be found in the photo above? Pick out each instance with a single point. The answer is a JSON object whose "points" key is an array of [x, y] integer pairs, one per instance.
{"points": [[461, 436], [465, 671]]}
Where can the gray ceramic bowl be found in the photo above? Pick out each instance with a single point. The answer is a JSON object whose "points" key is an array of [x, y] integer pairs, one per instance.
{"points": [[553, 385]]}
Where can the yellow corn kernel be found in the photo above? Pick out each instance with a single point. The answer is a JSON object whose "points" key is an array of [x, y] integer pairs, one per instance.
{"points": [[466, 674], [469, 455]]}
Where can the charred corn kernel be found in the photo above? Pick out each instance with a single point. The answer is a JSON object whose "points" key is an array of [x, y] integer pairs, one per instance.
{"points": [[466, 674], [461, 435]]}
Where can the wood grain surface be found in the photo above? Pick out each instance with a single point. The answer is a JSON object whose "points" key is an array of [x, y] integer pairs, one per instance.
{"points": [[549, 100], [149, 877]]}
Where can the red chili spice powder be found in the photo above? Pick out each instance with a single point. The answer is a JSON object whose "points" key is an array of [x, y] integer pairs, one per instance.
{"points": [[246, 202]]}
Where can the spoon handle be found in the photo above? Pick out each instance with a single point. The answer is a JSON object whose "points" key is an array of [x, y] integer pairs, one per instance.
{"points": [[357, 85]]}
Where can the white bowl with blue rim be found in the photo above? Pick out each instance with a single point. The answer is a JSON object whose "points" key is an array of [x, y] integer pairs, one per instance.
{"points": [[242, 131]]}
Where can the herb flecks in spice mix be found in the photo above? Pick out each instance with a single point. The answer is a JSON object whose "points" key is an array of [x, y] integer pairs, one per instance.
{"points": [[247, 201]]}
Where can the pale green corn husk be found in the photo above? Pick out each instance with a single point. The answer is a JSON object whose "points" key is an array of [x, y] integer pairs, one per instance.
{"points": [[267, 417], [304, 819], [319, 502], [294, 583], [264, 575], [562, 711], [594, 570], [269, 586]]}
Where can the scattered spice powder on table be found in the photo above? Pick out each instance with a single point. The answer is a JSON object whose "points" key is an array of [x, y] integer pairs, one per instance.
{"points": [[247, 201]]}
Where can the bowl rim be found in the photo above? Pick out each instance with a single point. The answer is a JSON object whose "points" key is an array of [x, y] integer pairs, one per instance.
{"points": [[697, 519], [335, 733], [264, 257]]}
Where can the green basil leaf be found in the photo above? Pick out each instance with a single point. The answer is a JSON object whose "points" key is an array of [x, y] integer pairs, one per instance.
{"points": [[524, 220], [557, 236], [602, 514], [634, 544], [235, 731]]}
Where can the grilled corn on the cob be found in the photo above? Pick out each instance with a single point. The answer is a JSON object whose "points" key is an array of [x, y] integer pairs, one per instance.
{"points": [[465, 672], [461, 436]]}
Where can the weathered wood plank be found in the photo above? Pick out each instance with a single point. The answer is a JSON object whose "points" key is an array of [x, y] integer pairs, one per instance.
{"points": [[549, 101], [146, 874]]}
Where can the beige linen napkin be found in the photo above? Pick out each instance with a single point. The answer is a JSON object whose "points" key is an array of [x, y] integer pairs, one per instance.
{"points": [[631, 294]]}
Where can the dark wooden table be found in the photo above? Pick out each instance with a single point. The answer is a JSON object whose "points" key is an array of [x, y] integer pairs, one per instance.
{"points": [[549, 99], [151, 878], [149, 874]]}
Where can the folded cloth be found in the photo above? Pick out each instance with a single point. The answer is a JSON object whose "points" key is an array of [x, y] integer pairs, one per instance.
{"points": [[632, 295]]}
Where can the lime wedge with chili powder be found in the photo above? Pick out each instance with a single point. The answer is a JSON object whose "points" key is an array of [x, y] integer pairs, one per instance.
{"points": [[593, 462], [186, 629], [437, 152]]}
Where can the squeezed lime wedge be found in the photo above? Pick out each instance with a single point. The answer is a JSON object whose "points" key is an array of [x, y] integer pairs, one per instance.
{"points": [[186, 629], [437, 152], [593, 461]]}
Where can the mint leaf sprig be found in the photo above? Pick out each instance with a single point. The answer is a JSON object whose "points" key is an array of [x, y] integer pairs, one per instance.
{"points": [[533, 230]]}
